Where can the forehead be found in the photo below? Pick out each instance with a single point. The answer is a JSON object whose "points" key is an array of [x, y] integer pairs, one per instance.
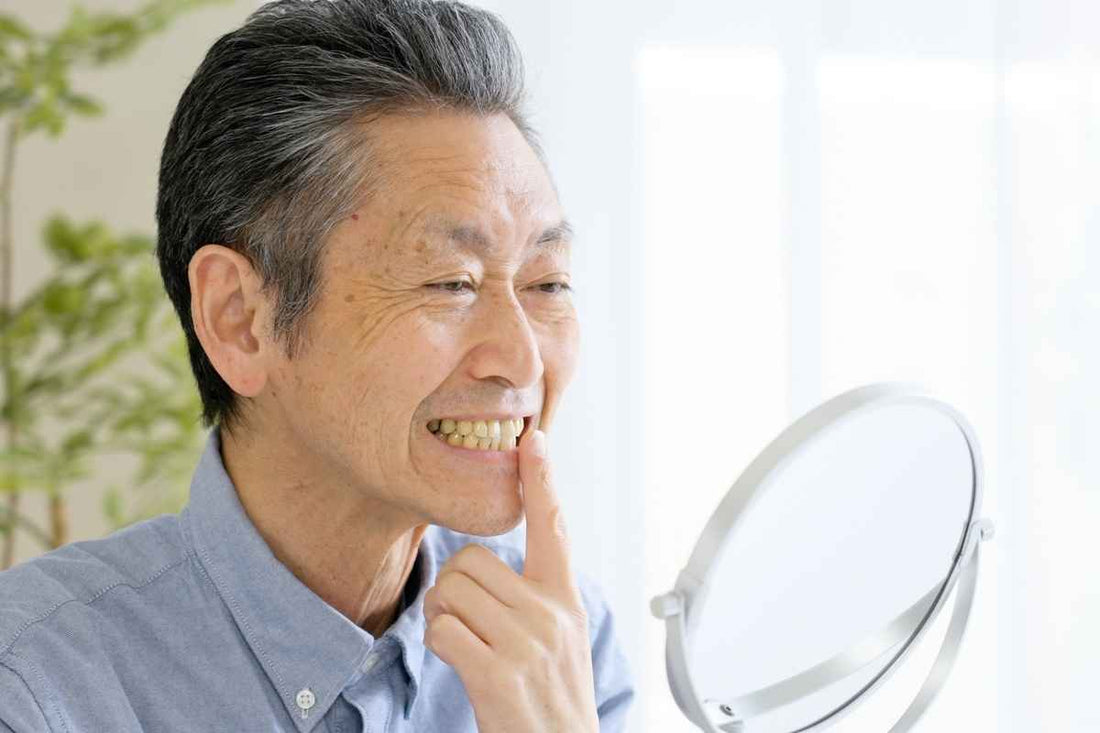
{"points": [[473, 176]]}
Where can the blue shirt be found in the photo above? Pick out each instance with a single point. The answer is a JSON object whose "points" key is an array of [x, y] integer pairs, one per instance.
{"points": [[188, 622]]}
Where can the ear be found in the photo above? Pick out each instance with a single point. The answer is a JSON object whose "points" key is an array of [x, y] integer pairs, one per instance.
{"points": [[230, 315]]}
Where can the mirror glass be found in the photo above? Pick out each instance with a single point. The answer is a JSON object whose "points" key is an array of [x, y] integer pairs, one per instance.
{"points": [[839, 542]]}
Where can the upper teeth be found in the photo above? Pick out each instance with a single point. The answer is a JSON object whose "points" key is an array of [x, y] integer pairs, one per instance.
{"points": [[482, 434]]}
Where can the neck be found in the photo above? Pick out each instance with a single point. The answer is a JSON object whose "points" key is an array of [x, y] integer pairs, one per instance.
{"points": [[353, 550]]}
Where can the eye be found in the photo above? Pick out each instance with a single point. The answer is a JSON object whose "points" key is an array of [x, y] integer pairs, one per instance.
{"points": [[445, 286], [563, 286]]}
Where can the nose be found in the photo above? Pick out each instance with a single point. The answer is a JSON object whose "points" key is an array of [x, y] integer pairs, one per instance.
{"points": [[508, 347]]}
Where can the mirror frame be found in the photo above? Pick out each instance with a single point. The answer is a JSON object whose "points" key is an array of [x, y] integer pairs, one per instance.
{"points": [[694, 581]]}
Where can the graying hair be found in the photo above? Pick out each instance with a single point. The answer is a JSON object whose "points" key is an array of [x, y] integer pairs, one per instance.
{"points": [[266, 150]]}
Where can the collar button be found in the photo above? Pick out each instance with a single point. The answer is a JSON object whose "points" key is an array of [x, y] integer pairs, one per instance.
{"points": [[305, 700]]}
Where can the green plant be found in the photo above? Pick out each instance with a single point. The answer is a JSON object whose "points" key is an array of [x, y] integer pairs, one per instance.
{"points": [[68, 396]]}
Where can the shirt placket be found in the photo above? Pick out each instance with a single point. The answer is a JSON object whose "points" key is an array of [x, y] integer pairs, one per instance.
{"points": [[374, 693]]}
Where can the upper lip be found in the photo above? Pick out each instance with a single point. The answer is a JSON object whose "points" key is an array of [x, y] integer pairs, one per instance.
{"points": [[484, 416]]}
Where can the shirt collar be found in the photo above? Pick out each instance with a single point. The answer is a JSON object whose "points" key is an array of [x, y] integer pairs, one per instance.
{"points": [[301, 641]]}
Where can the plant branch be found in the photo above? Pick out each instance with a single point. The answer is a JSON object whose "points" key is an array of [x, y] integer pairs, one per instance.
{"points": [[14, 519], [6, 265]]}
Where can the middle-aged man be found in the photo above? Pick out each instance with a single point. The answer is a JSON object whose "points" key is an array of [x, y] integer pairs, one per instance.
{"points": [[371, 265]]}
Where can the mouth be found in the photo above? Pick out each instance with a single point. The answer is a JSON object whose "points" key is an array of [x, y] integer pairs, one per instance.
{"points": [[498, 435]]}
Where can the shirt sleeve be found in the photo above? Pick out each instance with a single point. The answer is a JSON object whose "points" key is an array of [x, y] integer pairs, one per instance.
{"points": [[610, 668], [19, 711]]}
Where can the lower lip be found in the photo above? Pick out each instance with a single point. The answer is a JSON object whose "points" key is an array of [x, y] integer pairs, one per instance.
{"points": [[495, 457]]}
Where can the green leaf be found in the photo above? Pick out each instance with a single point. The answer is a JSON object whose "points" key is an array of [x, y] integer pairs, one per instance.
{"points": [[82, 104], [63, 298], [13, 98], [106, 316], [11, 482], [64, 242], [44, 383], [112, 506], [25, 79], [135, 244], [99, 240], [78, 441], [103, 360], [116, 36], [44, 115], [24, 330], [12, 27], [95, 404]]}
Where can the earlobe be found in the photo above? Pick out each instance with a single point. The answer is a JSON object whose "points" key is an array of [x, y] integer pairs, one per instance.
{"points": [[227, 311]]}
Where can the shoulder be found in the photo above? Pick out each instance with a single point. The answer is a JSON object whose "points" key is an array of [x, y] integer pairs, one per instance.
{"points": [[36, 591]]}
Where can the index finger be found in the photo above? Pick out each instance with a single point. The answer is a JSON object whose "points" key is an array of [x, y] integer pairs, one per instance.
{"points": [[547, 559]]}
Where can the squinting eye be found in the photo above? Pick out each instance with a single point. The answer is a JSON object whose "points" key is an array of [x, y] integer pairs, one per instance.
{"points": [[442, 286], [564, 287]]}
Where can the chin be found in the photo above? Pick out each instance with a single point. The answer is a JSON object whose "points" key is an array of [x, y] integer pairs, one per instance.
{"points": [[492, 521]]}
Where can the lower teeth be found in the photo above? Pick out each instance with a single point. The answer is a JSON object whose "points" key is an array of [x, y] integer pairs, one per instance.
{"points": [[475, 444]]}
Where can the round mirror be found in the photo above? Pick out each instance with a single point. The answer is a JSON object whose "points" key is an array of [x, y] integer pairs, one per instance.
{"points": [[824, 563]]}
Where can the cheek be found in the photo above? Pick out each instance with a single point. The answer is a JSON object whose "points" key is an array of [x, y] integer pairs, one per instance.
{"points": [[404, 364], [561, 348], [365, 356]]}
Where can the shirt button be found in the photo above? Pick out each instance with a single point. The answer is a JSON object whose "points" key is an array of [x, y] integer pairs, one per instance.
{"points": [[305, 699], [369, 664]]}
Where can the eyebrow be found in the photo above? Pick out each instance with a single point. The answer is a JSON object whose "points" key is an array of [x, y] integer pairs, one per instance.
{"points": [[468, 236]]}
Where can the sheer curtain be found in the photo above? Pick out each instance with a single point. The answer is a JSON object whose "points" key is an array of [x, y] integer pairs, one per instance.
{"points": [[843, 192]]}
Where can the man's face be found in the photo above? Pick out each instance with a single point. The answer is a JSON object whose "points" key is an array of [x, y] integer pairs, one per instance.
{"points": [[392, 346]]}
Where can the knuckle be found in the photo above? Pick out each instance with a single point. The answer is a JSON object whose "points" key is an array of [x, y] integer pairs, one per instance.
{"points": [[552, 631], [567, 622], [433, 628], [449, 583], [557, 522], [542, 616], [472, 555], [533, 649], [541, 660], [502, 678], [562, 630]]}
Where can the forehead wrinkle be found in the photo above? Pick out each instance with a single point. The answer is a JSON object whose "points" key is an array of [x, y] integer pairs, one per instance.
{"points": [[428, 188], [514, 179], [471, 237], [476, 232]]}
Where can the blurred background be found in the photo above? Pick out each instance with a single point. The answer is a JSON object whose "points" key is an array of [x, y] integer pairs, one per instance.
{"points": [[776, 201]]}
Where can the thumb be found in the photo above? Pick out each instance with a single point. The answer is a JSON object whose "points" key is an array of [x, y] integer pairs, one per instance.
{"points": [[547, 559]]}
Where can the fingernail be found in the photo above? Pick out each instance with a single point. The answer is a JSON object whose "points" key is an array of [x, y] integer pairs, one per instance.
{"points": [[539, 444]]}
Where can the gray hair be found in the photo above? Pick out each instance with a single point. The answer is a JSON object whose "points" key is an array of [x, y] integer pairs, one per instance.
{"points": [[266, 150]]}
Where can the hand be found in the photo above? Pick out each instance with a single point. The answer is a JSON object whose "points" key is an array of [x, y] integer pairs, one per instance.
{"points": [[519, 643]]}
